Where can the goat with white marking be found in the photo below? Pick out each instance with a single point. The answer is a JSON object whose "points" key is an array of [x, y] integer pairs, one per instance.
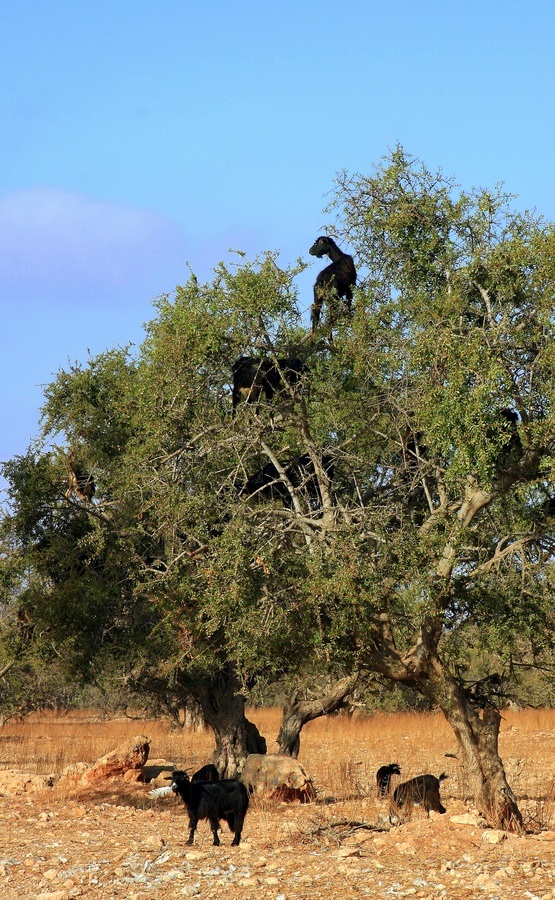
{"points": [[205, 773]]}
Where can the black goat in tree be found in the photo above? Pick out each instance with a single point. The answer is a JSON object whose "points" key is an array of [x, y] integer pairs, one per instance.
{"points": [[254, 376], [338, 278]]}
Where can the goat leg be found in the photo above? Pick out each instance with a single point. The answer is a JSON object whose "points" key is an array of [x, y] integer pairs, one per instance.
{"points": [[192, 828], [214, 823]]}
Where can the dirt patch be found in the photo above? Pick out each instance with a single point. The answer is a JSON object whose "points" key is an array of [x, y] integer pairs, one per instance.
{"points": [[116, 843], [112, 841]]}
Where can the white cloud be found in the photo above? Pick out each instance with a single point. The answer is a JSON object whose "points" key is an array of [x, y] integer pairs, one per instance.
{"points": [[54, 241]]}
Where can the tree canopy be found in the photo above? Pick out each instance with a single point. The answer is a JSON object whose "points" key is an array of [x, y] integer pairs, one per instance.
{"points": [[390, 512]]}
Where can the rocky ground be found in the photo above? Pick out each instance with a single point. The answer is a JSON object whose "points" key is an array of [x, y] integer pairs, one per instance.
{"points": [[107, 839], [117, 843]]}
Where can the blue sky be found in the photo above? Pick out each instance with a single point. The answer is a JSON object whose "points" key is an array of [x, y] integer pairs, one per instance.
{"points": [[139, 136]]}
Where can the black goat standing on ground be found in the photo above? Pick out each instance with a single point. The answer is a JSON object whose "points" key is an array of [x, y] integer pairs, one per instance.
{"points": [[420, 791], [337, 278], [383, 778], [254, 376], [227, 800]]}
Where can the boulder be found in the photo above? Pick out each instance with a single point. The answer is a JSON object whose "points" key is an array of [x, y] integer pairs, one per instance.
{"points": [[73, 772], [157, 772], [277, 776], [12, 782], [128, 756]]}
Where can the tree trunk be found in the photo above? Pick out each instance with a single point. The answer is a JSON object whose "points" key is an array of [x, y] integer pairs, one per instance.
{"points": [[478, 739], [223, 707], [476, 730], [299, 712]]}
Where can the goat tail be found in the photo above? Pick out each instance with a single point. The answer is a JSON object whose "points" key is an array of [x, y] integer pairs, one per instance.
{"points": [[443, 776]]}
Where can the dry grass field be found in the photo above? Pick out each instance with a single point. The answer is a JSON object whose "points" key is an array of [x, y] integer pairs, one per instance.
{"points": [[113, 841]]}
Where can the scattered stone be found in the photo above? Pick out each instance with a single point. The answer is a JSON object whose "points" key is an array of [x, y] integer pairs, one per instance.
{"points": [[50, 874], [53, 895], [465, 819], [12, 782], [493, 836], [74, 772], [156, 772], [152, 840], [346, 852], [485, 882]]}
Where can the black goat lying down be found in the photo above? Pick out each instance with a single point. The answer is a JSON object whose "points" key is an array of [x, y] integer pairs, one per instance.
{"points": [[227, 800], [337, 278], [256, 376], [268, 484], [383, 778], [420, 791], [206, 773]]}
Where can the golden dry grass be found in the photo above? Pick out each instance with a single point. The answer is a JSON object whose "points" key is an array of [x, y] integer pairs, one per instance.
{"points": [[341, 754]]}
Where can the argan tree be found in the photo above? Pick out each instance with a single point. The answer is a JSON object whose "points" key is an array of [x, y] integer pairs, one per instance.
{"points": [[390, 512], [451, 356]]}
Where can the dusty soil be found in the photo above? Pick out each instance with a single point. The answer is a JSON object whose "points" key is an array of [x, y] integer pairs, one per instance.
{"points": [[118, 846], [113, 841]]}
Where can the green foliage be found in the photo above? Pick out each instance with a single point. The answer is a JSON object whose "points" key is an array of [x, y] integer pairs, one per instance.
{"points": [[437, 516]]}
